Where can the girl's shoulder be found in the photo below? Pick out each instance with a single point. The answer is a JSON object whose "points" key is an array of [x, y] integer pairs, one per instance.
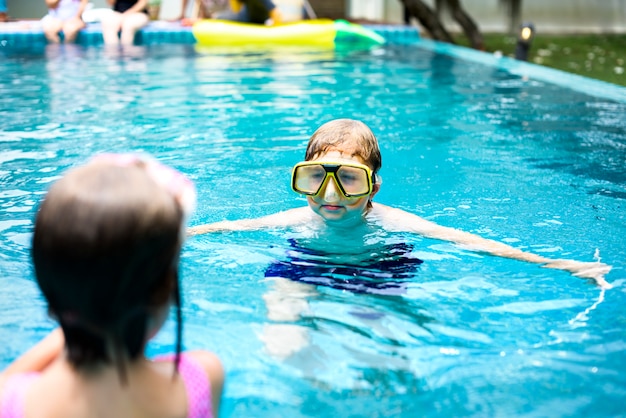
{"points": [[203, 377], [396, 219], [213, 370], [13, 390], [207, 361], [211, 364]]}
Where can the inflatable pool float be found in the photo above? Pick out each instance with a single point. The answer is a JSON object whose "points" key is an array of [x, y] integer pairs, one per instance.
{"points": [[318, 32]]}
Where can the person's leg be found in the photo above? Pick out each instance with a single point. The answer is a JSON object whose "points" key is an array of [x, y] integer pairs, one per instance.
{"points": [[51, 27], [111, 25], [71, 29], [130, 25], [287, 302]]}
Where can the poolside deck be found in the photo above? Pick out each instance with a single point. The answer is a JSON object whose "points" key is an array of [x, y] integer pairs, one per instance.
{"points": [[29, 33]]}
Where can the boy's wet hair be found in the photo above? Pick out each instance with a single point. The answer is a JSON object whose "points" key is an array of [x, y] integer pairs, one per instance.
{"points": [[348, 136], [105, 250]]}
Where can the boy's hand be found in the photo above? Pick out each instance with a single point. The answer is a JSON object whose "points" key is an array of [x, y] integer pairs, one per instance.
{"points": [[590, 270]]}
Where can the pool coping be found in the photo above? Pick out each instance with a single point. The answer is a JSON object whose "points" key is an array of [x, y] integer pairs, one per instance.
{"points": [[528, 70], [29, 33]]}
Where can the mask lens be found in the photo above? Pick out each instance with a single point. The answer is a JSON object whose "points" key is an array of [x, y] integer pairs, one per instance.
{"points": [[309, 178], [354, 180]]}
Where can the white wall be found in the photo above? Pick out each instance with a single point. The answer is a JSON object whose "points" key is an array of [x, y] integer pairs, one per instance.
{"points": [[36, 9], [170, 9], [547, 15], [376, 10]]}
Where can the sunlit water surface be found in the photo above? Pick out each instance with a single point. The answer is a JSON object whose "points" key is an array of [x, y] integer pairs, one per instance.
{"points": [[464, 144]]}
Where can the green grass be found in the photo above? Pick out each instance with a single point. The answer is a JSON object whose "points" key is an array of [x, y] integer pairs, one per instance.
{"points": [[602, 57]]}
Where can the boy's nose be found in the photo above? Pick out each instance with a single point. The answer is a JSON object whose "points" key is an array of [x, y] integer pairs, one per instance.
{"points": [[331, 192]]}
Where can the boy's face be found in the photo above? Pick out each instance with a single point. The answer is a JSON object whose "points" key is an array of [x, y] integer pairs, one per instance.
{"points": [[331, 204]]}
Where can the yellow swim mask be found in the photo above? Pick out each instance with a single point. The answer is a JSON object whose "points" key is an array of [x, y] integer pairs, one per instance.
{"points": [[352, 179]]}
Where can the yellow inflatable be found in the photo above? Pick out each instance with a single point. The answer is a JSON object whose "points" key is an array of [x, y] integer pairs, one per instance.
{"points": [[319, 32]]}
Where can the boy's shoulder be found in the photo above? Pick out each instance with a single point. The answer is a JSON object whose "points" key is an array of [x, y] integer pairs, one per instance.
{"points": [[378, 213], [378, 209], [287, 217], [394, 219]]}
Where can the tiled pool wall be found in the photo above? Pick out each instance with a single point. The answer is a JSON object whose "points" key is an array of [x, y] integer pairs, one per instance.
{"points": [[30, 34]]}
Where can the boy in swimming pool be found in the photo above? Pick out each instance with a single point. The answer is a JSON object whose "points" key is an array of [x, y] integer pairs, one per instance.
{"points": [[339, 178]]}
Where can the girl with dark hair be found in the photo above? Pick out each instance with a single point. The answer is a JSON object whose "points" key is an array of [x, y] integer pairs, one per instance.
{"points": [[105, 250]]}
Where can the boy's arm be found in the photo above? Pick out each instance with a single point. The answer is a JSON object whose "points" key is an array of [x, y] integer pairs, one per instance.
{"points": [[38, 357], [276, 220], [400, 220]]}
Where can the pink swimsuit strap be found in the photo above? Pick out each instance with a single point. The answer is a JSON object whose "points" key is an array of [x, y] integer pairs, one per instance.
{"points": [[12, 402], [197, 385]]}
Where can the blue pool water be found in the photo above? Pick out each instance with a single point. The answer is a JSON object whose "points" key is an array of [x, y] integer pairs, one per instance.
{"points": [[509, 151]]}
